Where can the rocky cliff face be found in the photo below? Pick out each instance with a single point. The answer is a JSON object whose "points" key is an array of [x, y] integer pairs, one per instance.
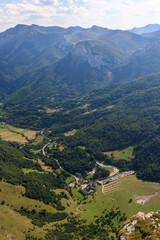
{"points": [[141, 226], [94, 61]]}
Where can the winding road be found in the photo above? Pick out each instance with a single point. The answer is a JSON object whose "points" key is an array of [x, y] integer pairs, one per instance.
{"points": [[115, 170], [45, 144], [43, 152]]}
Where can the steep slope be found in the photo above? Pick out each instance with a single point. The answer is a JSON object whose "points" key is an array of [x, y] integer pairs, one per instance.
{"points": [[28, 48], [87, 67], [141, 63], [141, 226], [154, 35], [25, 48]]}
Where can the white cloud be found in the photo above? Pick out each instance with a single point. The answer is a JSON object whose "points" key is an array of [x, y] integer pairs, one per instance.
{"points": [[107, 13], [49, 2]]}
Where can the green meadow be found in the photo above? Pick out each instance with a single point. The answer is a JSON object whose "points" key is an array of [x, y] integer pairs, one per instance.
{"points": [[129, 187], [13, 225], [126, 154]]}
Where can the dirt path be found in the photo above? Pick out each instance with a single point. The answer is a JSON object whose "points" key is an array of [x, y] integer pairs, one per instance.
{"points": [[143, 199]]}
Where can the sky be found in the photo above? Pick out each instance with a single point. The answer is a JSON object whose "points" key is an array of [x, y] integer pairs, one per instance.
{"points": [[113, 14]]}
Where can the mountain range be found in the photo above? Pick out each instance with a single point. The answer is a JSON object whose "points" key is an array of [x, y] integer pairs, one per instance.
{"points": [[150, 28], [38, 62]]}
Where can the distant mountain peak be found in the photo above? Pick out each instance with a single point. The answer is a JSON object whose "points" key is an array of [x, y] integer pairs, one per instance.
{"points": [[146, 29], [97, 28]]}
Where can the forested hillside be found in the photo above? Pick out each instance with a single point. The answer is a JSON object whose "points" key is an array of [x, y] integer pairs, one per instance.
{"points": [[118, 117], [86, 59], [110, 119]]}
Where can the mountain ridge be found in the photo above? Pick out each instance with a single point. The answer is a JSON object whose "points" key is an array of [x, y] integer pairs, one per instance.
{"points": [[150, 28], [27, 50]]}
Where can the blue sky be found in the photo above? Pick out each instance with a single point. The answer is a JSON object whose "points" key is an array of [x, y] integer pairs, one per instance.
{"points": [[122, 14]]}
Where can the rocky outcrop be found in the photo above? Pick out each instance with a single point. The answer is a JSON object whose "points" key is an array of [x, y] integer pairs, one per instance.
{"points": [[141, 226], [93, 60]]}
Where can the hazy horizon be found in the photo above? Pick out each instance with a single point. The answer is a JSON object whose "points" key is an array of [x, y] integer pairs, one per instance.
{"points": [[75, 26], [112, 14]]}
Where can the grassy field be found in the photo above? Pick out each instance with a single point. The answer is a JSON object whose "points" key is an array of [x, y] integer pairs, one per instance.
{"points": [[38, 140], [119, 196], [33, 160], [30, 134], [44, 167], [111, 187], [70, 180], [70, 133], [49, 110], [52, 145], [77, 196], [70, 204], [12, 225], [27, 170], [109, 107], [88, 112], [126, 154], [10, 133], [85, 106], [82, 147], [61, 147], [16, 138]]}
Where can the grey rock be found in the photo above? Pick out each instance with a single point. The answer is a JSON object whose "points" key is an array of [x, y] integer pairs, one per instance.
{"points": [[140, 215], [123, 237], [130, 229]]}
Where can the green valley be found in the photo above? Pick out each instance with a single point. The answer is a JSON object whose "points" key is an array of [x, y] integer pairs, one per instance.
{"points": [[79, 133]]}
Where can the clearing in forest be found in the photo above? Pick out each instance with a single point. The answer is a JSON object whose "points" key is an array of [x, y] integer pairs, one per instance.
{"points": [[44, 167], [50, 110], [11, 133], [126, 154], [70, 133], [89, 112], [30, 134], [17, 138]]}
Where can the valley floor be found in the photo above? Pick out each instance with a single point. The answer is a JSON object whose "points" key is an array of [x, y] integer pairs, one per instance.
{"points": [[128, 194]]}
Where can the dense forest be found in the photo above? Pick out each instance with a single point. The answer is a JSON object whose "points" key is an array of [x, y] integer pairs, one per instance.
{"points": [[115, 117], [37, 186]]}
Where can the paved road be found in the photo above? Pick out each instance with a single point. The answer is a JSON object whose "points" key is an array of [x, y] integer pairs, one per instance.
{"points": [[43, 151], [45, 144], [115, 170]]}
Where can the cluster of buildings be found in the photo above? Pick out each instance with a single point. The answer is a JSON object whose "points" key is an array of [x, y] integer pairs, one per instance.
{"points": [[125, 174], [87, 189]]}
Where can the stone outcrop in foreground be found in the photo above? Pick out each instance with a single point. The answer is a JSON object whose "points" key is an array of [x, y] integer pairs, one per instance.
{"points": [[141, 226]]}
